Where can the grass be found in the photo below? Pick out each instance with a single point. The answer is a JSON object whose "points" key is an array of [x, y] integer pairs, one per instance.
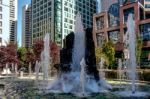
{"points": [[70, 96], [30, 93]]}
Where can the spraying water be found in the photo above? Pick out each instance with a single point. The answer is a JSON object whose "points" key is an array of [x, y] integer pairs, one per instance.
{"points": [[76, 81], [79, 44], [6, 70], [121, 72], [132, 48], [30, 70], [12, 67], [16, 69], [45, 58], [37, 70], [119, 68], [83, 75], [129, 69], [130, 41], [101, 64]]}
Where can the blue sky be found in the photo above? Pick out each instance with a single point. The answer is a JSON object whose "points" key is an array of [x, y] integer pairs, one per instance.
{"points": [[21, 3]]}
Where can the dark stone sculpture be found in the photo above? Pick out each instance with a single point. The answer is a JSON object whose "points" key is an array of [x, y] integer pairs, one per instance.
{"points": [[90, 57], [66, 54]]}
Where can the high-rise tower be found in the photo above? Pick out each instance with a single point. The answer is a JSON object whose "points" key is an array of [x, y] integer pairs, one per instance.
{"points": [[8, 21], [57, 17], [26, 26]]}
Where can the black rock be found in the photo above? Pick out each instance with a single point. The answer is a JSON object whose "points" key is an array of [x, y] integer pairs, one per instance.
{"points": [[69, 41], [90, 57], [66, 53]]}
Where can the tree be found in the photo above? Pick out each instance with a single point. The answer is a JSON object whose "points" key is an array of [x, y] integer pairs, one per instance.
{"points": [[38, 48], [30, 56], [54, 51], [11, 50], [109, 52], [8, 54], [30, 59], [99, 54], [139, 45], [21, 52], [2, 56]]}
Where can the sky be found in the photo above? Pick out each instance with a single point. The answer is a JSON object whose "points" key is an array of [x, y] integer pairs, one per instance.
{"points": [[21, 3]]}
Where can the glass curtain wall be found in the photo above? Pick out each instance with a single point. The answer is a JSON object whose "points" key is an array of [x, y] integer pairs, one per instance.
{"points": [[58, 21]]}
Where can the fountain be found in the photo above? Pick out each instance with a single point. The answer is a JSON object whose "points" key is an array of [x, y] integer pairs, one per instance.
{"points": [[78, 75], [16, 69], [12, 67], [130, 60], [132, 50], [6, 70], [83, 75], [37, 68], [79, 44], [101, 64], [45, 58], [120, 67], [29, 69]]}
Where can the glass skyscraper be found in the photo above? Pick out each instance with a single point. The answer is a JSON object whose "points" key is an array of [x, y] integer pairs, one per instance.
{"points": [[26, 26], [57, 17]]}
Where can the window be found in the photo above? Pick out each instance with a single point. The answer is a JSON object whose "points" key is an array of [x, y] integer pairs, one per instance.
{"points": [[145, 32], [100, 23], [113, 36], [100, 39], [114, 15], [147, 5], [127, 12]]}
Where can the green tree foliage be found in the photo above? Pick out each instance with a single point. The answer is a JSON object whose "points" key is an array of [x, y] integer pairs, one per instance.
{"points": [[99, 54], [139, 45], [21, 52], [109, 52], [30, 56]]}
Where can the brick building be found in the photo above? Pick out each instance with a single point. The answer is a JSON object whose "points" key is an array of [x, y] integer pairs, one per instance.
{"points": [[111, 25], [106, 3]]}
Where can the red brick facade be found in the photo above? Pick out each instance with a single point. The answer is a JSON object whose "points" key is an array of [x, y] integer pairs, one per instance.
{"points": [[138, 11]]}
